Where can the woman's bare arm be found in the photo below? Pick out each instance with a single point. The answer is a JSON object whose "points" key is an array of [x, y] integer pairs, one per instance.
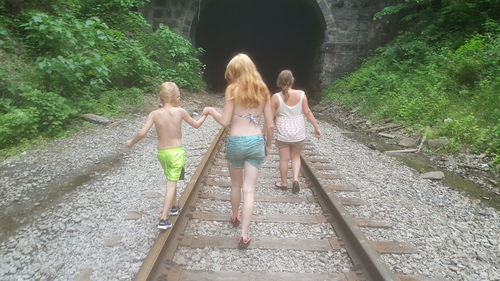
{"points": [[310, 117], [269, 123], [223, 119], [275, 103]]}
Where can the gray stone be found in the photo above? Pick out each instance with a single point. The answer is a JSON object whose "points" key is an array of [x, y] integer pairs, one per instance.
{"points": [[113, 241], [338, 3], [85, 275], [445, 227], [434, 175], [385, 135], [438, 143], [152, 195], [48, 271], [349, 29], [134, 215], [407, 142], [96, 119]]}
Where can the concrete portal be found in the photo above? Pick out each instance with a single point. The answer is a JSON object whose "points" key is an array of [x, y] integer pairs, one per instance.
{"points": [[319, 40]]}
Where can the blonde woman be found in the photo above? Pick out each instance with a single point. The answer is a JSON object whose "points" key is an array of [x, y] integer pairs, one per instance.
{"points": [[247, 111], [289, 108]]}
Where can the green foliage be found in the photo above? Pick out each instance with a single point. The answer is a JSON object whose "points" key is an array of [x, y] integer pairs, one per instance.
{"points": [[464, 16], [4, 35], [437, 77], [176, 57], [61, 58], [403, 5], [129, 65], [13, 7], [51, 36], [107, 11], [468, 15], [51, 109], [17, 125], [113, 102]]}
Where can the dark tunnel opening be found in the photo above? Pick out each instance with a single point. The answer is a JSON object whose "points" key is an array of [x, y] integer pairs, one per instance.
{"points": [[276, 34]]}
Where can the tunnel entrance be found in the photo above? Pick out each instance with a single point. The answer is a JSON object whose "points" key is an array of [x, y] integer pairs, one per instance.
{"points": [[276, 34]]}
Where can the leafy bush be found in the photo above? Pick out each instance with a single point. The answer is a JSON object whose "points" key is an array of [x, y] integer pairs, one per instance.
{"points": [[129, 66], [17, 125], [177, 58], [52, 36], [60, 58], [113, 102], [117, 14], [51, 109], [434, 74]]}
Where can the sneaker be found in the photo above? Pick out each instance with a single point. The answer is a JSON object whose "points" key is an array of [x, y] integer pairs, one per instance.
{"points": [[175, 210], [164, 224], [295, 187], [244, 242]]}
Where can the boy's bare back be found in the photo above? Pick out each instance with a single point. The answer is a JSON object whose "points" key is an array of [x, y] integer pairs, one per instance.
{"points": [[168, 123], [167, 119]]}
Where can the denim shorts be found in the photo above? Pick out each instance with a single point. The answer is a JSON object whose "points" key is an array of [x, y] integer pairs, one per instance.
{"points": [[245, 148]]}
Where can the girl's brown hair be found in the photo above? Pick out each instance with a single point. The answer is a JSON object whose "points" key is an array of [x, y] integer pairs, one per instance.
{"points": [[245, 85], [285, 82]]}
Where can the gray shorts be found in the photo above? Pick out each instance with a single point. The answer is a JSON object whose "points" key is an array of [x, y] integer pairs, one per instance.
{"points": [[284, 144]]}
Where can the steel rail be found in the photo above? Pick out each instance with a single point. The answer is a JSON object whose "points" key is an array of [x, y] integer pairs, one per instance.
{"points": [[364, 256], [367, 263], [151, 261]]}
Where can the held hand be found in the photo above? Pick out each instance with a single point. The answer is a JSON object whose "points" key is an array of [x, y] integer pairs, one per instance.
{"points": [[128, 143], [317, 133], [207, 110], [267, 150]]}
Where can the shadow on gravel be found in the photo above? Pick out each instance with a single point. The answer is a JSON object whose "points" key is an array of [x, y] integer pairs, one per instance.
{"points": [[21, 213]]}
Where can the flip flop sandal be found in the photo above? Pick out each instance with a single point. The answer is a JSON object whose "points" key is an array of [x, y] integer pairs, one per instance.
{"points": [[282, 187], [295, 187], [235, 221], [244, 242]]}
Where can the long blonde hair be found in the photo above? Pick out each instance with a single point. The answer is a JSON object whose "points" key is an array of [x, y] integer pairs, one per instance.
{"points": [[245, 85], [285, 82]]}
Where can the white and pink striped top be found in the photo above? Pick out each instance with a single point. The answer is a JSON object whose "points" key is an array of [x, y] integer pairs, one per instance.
{"points": [[290, 122]]}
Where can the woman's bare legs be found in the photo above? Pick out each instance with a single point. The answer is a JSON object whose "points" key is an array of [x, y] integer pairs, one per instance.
{"points": [[284, 159], [236, 175], [295, 155], [249, 182]]}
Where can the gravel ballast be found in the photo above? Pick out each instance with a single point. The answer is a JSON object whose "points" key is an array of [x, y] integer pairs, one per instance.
{"points": [[103, 228]]}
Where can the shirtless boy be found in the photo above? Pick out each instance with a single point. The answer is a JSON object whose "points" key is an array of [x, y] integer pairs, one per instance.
{"points": [[171, 154]]}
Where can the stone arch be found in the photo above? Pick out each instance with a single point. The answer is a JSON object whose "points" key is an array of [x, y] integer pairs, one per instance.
{"points": [[299, 25], [349, 31]]}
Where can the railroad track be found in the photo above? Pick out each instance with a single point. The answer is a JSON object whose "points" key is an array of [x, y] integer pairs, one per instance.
{"points": [[306, 236]]}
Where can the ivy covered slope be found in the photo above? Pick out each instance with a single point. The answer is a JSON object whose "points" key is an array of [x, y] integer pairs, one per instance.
{"points": [[439, 77], [62, 58]]}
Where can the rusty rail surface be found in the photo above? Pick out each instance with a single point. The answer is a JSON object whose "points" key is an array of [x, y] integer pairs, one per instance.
{"points": [[357, 245]]}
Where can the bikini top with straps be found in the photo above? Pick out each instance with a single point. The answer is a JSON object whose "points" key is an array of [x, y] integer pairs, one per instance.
{"points": [[254, 119]]}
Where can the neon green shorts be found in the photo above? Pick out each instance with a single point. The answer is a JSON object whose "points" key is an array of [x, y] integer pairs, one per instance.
{"points": [[173, 162]]}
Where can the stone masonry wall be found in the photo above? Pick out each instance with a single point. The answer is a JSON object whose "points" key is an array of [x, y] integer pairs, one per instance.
{"points": [[350, 32]]}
